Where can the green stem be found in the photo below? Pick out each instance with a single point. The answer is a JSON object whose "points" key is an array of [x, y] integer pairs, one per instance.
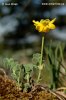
{"points": [[27, 78], [42, 46], [42, 50], [39, 74]]}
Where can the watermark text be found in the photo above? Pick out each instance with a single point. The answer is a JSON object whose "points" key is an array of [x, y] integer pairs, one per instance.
{"points": [[52, 4]]}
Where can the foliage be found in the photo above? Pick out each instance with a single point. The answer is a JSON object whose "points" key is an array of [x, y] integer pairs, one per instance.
{"points": [[23, 73], [14, 67], [54, 57], [36, 58], [27, 76]]}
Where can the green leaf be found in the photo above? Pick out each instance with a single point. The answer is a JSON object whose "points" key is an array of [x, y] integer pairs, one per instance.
{"points": [[36, 58], [28, 68]]}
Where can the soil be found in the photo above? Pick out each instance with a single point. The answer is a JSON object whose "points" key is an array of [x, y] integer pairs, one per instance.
{"points": [[10, 91]]}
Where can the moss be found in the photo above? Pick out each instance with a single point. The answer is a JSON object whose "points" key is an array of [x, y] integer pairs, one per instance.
{"points": [[10, 91]]}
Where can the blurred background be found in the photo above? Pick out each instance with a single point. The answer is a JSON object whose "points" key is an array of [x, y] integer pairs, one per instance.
{"points": [[18, 37], [16, 28]]}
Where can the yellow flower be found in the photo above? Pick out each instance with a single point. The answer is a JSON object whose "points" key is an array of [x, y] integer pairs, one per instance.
{"points": [[44, 25]]}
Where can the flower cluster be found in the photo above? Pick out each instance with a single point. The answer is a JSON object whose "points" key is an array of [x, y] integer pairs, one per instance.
{"points": [[44, 25]]}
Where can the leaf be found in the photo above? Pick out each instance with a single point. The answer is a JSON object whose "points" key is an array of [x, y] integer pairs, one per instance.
{"points": [[14, 67], [36, 58], [28, 68]]}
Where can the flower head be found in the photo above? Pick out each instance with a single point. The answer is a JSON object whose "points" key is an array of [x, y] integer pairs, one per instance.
{"points": [[44, 25]]}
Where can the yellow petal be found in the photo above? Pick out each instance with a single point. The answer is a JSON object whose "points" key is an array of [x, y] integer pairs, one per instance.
{"points": [[45, 29], [53, 20], [39, 27], [45, 22], [35, 22], [52, 26], [42, 21]]}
